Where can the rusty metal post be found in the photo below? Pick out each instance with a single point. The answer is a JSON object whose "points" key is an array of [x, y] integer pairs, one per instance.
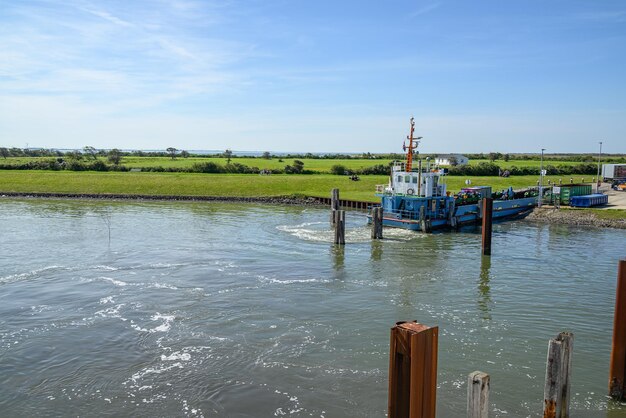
{"points": [[558, 372], [617, 369], [413, 371], [487, 205], [334, 204]]}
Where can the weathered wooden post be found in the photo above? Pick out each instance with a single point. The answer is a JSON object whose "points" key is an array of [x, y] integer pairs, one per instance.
{"points": [[478, 395], [377, 223], [334, 204], [340, 227], [558, 371], [487, 205], [617, 369], [413, 371]]}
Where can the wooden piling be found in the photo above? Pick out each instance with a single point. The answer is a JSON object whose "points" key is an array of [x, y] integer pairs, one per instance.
{"points": [[487, 206], [340, 226], [558, 371], [334, 204], [478, 395], [617, 368], [377, 223], [413, 371]]}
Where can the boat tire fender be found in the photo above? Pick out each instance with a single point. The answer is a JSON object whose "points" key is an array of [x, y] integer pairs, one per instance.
{"points": [[410, 191]]}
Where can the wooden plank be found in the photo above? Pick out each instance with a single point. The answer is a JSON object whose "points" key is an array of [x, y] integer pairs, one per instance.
{"points": [[617, 373], [478, 385], [334, 204], [340, 227], [558, 369], [377, 223], [413, 371]]}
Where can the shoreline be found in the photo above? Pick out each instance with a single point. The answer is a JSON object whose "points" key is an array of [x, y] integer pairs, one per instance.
{"points": [[283, 200], [575, 217]]}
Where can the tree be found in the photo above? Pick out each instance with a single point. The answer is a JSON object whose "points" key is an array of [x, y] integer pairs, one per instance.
{"points": [[228, 154], [172, 152], [4, 152], [89, 150], [493, 156], [338, 169], [296, 168], [74, 155], [114, 156], [453, 161], [506, 157], [184, 154], [267, 155]]}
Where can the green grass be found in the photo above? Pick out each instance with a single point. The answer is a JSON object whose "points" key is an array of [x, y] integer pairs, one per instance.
{"points": [[320, 165], [612, 214], [220, 184]]}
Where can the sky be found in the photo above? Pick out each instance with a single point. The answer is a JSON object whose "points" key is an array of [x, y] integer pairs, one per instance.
{"points": [[314, 76]]}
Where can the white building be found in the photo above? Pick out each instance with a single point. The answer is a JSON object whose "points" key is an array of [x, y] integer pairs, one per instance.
{"points": [[448, 159]]}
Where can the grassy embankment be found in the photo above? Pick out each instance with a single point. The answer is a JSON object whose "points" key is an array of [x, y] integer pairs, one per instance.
{"points": [[194, 184]]}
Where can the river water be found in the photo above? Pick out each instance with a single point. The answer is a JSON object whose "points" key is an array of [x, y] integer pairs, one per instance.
{"points": [[231, 310]]}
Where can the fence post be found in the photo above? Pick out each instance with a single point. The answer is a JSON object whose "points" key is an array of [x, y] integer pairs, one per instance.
{"points": [[558, 371], [487, 224], [377, 223], [334, 204], [340, 226], [617, 372], [478, 395], [413, 371]]}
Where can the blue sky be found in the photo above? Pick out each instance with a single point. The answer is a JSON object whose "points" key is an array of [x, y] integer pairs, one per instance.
{"points": [[319, 76]]}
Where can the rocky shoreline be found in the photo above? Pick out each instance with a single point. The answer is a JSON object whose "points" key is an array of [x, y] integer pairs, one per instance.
{"points": [[578, 217], [283, 200]]}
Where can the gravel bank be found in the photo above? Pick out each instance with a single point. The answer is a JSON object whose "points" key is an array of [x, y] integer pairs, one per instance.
{"points": [[285, 200], [579, 217]]}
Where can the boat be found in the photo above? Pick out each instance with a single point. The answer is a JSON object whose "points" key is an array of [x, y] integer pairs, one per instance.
{"points": [[417, 198]]}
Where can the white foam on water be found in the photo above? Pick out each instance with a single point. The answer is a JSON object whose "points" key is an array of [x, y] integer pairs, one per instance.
{"points": [[114, 281], [112, 312], [294, 281], [106, 268], [165, 326], [104, 301], [177, 355], [29, 274], [163, 286]]}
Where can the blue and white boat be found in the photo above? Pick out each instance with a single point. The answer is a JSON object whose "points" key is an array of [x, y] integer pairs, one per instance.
{"points": [[417, 198]]}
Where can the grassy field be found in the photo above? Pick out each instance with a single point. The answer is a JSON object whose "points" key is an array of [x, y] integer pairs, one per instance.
{"points": [[220, 184], [319, 165]]}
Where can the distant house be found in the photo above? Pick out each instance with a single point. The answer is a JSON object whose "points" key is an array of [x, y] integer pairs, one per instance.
{"points": [[451, 159]]}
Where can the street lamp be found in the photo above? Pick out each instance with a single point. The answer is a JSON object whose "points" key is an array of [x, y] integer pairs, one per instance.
{"points": [[541, 180], [599, 157]]}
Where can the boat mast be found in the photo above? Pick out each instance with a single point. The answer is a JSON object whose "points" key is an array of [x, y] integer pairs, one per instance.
{"points": [[409, 150]]}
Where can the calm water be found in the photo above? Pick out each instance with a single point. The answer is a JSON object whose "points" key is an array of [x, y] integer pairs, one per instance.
{"points": [[236, 311]]}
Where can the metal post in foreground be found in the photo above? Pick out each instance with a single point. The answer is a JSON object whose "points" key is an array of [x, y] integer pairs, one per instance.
{"points": [[478, 395], [617, 370], [487, 205], [413, 371], [558, 371], [377, 223], [334, 204], [340, 226]]}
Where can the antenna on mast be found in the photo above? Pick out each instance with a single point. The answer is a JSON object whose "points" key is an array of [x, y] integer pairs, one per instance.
{"points": [[412, 146]]}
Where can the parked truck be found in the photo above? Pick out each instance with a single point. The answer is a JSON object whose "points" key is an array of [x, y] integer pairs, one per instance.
{"points": [[612, 172]]}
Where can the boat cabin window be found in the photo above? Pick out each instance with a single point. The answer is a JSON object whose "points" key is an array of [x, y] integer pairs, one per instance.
{"points": [[414, 180], [399, 179], [407, 179]]}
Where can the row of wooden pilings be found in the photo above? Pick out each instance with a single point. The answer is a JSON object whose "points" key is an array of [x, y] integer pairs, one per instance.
{"points": [[413, 368]]}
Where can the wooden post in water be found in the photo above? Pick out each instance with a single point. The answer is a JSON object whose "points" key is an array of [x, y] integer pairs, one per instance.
{"points": [[377, 223], [558, 371], [340, 227], [334, 204], [413, 371], [487, 205], [478, 395], [617, 369]]}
